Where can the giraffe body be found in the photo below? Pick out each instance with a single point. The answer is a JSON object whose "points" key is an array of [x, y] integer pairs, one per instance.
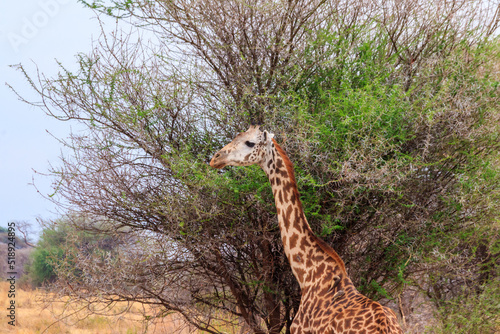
{"points": [[330, 303]]}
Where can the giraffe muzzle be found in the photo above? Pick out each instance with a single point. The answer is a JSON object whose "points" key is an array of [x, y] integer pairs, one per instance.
{"points": [[218, 160]]}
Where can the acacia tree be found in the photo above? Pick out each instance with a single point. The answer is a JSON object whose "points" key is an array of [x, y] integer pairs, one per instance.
{"points": [[387, 108]]}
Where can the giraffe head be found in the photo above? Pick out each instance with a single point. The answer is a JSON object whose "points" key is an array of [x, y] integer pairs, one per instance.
{"points": [[246, 149]]}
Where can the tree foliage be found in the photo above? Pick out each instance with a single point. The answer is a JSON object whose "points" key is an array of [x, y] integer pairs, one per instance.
{"points": [[60, 245], [389, 111]]}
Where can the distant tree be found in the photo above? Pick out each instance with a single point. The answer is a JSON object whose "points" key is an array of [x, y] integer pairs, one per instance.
{"points": [[388, 109], [57, 246], [22, 251], [20, 241]]}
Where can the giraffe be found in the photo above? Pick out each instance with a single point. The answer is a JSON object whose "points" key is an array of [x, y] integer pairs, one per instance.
{"points": [[329, 303]]}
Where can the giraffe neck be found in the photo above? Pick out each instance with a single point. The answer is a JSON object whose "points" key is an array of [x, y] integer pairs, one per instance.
{"points": [[309, 256]]}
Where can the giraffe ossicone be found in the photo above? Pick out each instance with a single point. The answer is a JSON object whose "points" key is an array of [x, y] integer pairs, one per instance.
{"points": [[330, 303]]}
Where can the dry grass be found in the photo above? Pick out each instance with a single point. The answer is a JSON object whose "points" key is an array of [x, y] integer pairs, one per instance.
{"points": [[32, 316]]}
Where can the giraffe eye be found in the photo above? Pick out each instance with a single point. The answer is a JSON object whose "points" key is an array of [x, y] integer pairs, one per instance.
{"points": [[249, 144]]}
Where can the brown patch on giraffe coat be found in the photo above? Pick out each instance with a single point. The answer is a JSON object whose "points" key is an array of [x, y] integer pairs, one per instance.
{"points": [[304, 244], [287, 216], [357, 322], [247, 157], [309, 277], [293, 240], [319, 271], [282, 172], [297, 224], [329, 278], [287, 187], [279, 163], [317, 258], [300, 274], [362, 311], [286, 220]]}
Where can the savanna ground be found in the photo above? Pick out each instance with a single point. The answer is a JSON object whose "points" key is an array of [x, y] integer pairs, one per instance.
{"points": [[35, 316]]}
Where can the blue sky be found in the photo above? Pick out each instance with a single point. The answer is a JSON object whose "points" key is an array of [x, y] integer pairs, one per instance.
{"points": [[34, 32]]}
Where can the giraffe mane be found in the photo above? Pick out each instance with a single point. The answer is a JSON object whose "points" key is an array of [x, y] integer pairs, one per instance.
{"points": [[289, 167]]}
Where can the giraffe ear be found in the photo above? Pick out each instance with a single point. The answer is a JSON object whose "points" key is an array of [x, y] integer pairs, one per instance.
{"points": [[267, 137]]}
